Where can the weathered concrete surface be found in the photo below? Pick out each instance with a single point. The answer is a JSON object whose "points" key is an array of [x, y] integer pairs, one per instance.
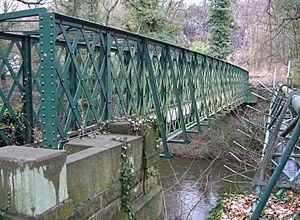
{"points": [[92, 177], [147, 207], [98, 167], [146, 131], [34, 185]]}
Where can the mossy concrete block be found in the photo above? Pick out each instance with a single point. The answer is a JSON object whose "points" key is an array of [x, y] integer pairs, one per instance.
{"points": [[109, 212], [99, 201], [71, 149], [63, 211], [149, 206], [147, 131], [121, 128], [149, 134], [35, 178], [151, 159], [121, 216], [152, 171], [150, 184], [111, 194], [98, 167], [136, 191]]}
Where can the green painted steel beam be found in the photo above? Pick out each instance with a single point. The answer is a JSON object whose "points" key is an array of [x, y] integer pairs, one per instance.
{"points": [[278, 170], [22, 14], [86, 73]]}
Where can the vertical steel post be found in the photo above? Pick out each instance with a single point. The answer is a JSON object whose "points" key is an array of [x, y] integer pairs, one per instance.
{"points": [[192, 88], [278, 170], [48, 85], [27, 83], [107, 77], [73, 88], [157, 106], [177, 96]]}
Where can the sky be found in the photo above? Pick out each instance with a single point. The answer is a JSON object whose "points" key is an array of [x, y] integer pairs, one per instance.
{"points": [[189, 2]]}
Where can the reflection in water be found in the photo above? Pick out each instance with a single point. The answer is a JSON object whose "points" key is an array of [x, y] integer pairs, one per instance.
{"points": [[196, 192]]}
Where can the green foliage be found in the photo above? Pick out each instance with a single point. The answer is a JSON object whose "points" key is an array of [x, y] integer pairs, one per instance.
{"points": [[296, 73], [216, 212], [150, 18], [127, 170], [221, 26], [200, 47], [13, 127], [137, 121], [4, 211]]}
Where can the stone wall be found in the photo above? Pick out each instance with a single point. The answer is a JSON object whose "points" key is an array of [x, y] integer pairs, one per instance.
{"points": [[83, 180]]}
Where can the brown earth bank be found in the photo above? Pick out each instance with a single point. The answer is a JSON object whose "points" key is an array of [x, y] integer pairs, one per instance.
{"points": [[239, 133]]}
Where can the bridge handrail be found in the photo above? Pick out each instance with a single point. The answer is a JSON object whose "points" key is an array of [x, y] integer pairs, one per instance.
{"points": [[75, 60]]}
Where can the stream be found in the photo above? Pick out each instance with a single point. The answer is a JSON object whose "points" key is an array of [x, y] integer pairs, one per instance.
{"points": [[197, 190]]}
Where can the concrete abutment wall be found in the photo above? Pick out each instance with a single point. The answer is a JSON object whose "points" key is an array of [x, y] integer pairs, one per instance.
{"points": [[83, 180]]}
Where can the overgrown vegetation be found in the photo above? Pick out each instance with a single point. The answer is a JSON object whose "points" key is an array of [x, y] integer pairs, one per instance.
{"points": [[237, 205], [4, 210], [12, 127], [137, 121], [127, 170], [221, 27], [150, 18], [222, 133], [200, 47]]}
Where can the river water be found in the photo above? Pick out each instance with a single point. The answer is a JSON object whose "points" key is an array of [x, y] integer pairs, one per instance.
{"points": [[191, 187]]}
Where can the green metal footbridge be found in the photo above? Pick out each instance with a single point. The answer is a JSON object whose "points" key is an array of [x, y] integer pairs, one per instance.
{"points": [[62, 77]]}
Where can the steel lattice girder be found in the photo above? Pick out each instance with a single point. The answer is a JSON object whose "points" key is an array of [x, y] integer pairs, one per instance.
{"points": [[87, 73]]}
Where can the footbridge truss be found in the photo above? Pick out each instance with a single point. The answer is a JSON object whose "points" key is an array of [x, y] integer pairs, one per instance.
{"points": [[63, 77]]}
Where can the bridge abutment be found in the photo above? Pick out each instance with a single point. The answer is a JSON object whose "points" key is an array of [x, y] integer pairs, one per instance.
{"points": [[83, 181]]}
